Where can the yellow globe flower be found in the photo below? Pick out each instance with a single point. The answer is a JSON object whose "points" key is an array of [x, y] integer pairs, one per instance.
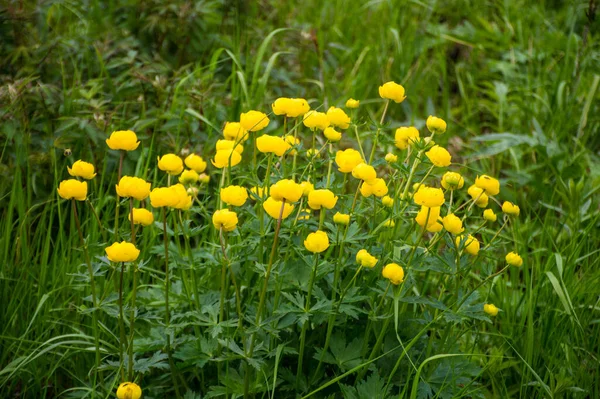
{"points": [[387, 201], [163, 197], [489, 215], [133, 187], [365, 259], [225, 219], [510, 209], [393, 272], [258, 192], [72, 189], [513, 259], [332, 135], [317, 242], [142, 216], [290, 107], [233, 131], [224, 158], [171, 164], [364, 172], [316, 120], [321, 198], [229, 145], [272, 144], [392, 91], [406, 136], [471, 244], [479, 196], [436, 125], [490, 309], [352, 103], [129, 390], [389, 223], [341, 218], [452, 180], [82, 169], [347, 160], [490, 185], [307, 187], [122, 252], [439, 156], [273, 208], [429, 196], [234, 195], [378, 188], [123, 140], [391, 158], [184, 200], [196, 163], [188, 177], [254, 121], [287, 190], [337, 117], [453, 224], [432, 220]]}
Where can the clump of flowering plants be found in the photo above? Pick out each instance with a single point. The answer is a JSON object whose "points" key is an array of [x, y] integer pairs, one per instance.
{"points": [[314, 251]]}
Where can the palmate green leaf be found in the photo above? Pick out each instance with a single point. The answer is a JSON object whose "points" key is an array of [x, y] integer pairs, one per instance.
{"points": [[344, 356], [157, 361], [373, 387]]}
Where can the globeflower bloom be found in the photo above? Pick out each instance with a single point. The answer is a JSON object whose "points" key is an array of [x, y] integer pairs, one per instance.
{"points": [[322, 198], [72, 189], [316, 120], [490, 309], [290, 107], [273, 208], [184, 200], [332, 135], [429, 196], [234, 131], [258, 192], [122, 252], [364, 172], [229, 145], [317, 242], [272, 144], [163, 197], [453, 224], [387, 201], [142, 216], [254, 121], [129, 390], [490, 185], [82, 169], [365, 259], [439, 156], [428, 218], [510, 209], [347, 160], [513, 259], [234, 195], [479, 196], [452, 180], [196, 163], [391, 158], [406, 136], [394, 273], [378, 188], [225, 219], [489, 215], [224, 158], [471, 244], [389, 223], [341, 218], [307, 187], [188, 177], [392, 91], [352, 103], [123, 140], [133, 187], [337, 117], [171, 164], [436, 125], [287, 190]]}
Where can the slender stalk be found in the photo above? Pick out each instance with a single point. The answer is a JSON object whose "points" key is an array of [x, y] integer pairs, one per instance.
{"points": [[307, 322], [134, 271], [122, 155], [122, 339], [233, 280], [387, 103]]}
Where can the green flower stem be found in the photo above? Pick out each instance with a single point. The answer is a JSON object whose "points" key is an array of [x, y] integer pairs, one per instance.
{"points": [[307, 322], [387, 103], [122, 340], [121, 156], [134, 272], [233, 280], [362, 152], [329, 166], [497, 234]]}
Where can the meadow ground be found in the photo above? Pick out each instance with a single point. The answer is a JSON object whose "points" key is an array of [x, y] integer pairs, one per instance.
{"points": [[256, 306]]}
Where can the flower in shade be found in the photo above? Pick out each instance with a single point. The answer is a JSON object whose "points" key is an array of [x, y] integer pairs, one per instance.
{"points": [[490, 185], [490, 309], [82, 169], [316, 120], [273, 208], [224, 158], [347, 160], [393, 272], [470, 244], [352, 103], [122, 252], [133, 187], [392, 91], [341, 218], [365, 259], [439, 156], [234, 195], [72, 189], [337, 117], [452, 180], [406, 136], [129, 390], [142, 216], [287, 190], [317, 242], [170, 163], [254, 121], [225, 219], [510, 209], [196, 163], [123, 140], [235, 132], [436, 125], [322, 198]]}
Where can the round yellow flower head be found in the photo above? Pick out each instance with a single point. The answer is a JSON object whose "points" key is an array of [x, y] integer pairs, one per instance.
{"points": [[163, 196], [273, 208], [317, 242], [452, 180], [316, 120], [322, 198], [471, 244], [490, 185], [122, 252], [290, 107], [365, 259], [387, 201], [171, 164], [406, 136], [196, 163], [188, 177], [378, 188], [82, 169], [513, 259], [225, 219], [258, 192], [307, 187], [439, 156], [341, 218], [347, 160], [292, 142], [272, 144], [479, 196], [453, 224], [133, 187], [184, 200], [391, 158], [436, 125], [364, 172], [332, 135], [352, 103], [123, 140], [142, 216], [254, 121], [337, 117], [234, 131], [229, 145], [429, 196], [389, 223], [431, 220], [392, 91], [489, 215], [313, 153], [204, 178], [129, 390], [287, 190], [490, 309], [234, 195], [393, 272], [72, 189], [224, 158]]}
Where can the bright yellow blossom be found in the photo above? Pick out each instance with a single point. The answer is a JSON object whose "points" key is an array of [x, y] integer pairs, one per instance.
{"points": [[439, 156], [391, 158], [510, 209], [479, 196], [392, 91], [316, 120], [123, 140], [133, 187], [287, 190], [273, 208], [429, 196], [142, 216], [224, 158], [365, 259], [122, 252], [471, 244], [254, 121], [452, 180], [234, 131], [189, 176], [317, 242], [346, 160], [406, 136], [489, 215], [73, 189], [225, 219], [378, 188], [272, 144], [490, 185], [171, 164], [352, 103], [394, 273], [322, 198], [436, 125], [341, 218], [332, 135], [196, 163], [490, 309], [513, 259], [337, 117], [453, 224], [234, 195], [82, 169], [129, 390]]}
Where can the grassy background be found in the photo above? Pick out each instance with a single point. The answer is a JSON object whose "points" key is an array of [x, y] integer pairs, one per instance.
{"points": [[516, 80]]}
